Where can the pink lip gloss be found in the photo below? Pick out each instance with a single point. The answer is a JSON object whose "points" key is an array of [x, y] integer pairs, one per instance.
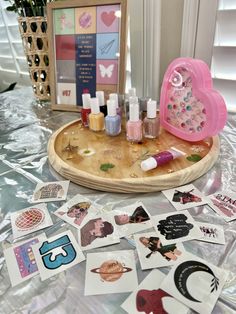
{"points": [[161, 159]]}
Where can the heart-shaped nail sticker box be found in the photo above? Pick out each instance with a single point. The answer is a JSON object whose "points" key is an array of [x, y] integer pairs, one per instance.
{"points": [[189, 106]]}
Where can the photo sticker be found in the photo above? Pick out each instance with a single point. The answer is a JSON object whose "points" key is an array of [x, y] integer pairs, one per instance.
{"points": [[224, 204], [50, 191]]}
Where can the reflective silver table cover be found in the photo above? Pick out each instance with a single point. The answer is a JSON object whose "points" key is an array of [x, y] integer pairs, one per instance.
{"points": [[25, 127]]}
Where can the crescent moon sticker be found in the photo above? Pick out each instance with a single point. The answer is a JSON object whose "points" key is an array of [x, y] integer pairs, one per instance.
{"points": [[184, 270]]}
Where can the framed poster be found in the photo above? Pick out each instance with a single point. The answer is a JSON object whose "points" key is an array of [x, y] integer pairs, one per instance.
{"points": [[87, 45]]}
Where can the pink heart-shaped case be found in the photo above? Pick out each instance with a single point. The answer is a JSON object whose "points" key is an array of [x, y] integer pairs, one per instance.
{"points": [[189, 107]]}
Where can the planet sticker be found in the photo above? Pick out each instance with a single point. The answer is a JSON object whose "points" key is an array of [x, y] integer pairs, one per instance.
{"points": [[29, 219], [111, 270]]}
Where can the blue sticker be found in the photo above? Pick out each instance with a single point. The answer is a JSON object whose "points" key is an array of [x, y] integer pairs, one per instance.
{"points": [[108, 46]]}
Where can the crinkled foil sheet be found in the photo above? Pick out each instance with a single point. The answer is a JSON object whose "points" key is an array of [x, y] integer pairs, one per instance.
{"points": [[25, 127]]}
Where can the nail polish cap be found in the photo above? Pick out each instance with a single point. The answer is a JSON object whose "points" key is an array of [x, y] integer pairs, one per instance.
{"points": [[148, 164], [94, 105], [100, 96], [114, 97], [132, 92], [86, 101], [134, 112], [151, 109], [133, 100], [111, 108]]}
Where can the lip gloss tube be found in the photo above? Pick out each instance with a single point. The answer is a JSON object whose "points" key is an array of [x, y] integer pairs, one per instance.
{"points": [[161, 159]]}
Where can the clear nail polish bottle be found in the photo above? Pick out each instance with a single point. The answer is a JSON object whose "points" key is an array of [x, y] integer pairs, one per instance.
{"points": [[101, 100], [86, 110], [151, 124], [96, 118], [114, 97], [134, 132], [112, 120]]}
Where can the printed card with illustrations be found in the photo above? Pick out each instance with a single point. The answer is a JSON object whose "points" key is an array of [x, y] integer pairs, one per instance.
{"points": [[224, 204], [50, 191], [78, 211], [110, 272], [182, 278], [97, 232], [132, 219], [29, 220], [57, 254], [211, 233], [176, 227], [184, 197], [20, 260], [152, 254], [149, 298]]}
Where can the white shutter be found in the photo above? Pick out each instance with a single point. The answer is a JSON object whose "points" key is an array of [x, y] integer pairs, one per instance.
{"points": [[223, 66], [13, 65]]}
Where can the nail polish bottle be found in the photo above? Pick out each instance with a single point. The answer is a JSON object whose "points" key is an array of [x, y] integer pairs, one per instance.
{"points": [[151, 124], [96, 118], [101, 100], [134, 132], [112, 120], [114, 97], [130, 95], [85, 111]]}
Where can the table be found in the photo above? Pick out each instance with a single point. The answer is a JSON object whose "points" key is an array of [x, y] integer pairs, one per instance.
{"points": [[25, 127]]}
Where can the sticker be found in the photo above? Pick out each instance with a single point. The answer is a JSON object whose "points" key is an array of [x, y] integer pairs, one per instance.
{"points": [[20, 260], [57, 254], [64, 21], [184, 197], [211, 233], [224, 204], [29, 220], [50, 191], [153, 254], [110, 272], [108, 18], [108, 47], [85, 20], [181, 283], [149, 298], [107, 72], [66, 93], [78, 211], [132, 219], [173, 228], [98, 232]]}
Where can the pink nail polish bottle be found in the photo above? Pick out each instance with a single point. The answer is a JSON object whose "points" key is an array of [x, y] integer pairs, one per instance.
{"points": [[134, 130]]}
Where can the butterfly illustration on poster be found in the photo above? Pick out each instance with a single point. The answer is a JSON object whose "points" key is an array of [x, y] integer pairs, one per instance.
{"points": [[29, 220], [149, 298], [185, 197], [153, 254], [110, 272], [57, 254], [224, 204], [175, 228], [20, 260], [181, 283], [211, 233]]}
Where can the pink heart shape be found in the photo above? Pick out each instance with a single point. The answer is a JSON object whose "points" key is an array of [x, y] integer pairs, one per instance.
{"points": [[189, 107], [108, 18]]}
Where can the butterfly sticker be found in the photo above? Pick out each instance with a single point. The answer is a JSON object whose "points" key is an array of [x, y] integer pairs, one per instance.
{"points": [[106, 71]]}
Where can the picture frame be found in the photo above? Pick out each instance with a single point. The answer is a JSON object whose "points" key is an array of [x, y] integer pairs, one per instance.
{"points": [[87, 50]]}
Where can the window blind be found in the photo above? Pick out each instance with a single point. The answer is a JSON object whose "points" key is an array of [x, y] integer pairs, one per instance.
{"points": [[223, 66]]}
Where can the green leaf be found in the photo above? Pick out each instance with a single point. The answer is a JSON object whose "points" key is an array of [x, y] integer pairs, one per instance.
{"points": [[194, 158], [106, 167]]}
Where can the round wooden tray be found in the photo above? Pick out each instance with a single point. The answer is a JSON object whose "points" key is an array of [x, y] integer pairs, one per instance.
{"points": [[64, 152]]}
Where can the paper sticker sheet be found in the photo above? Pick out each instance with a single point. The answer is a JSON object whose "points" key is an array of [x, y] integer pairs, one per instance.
{"points": [[184, 197], [57, 254], [152, 254], [29, 220], [20, 260], [78, 211], [132, 219], [182, 278], [97, 232], [50, 191], [224, 204], [211, 233], [110, 272], [149, 298], [176, 227]]}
